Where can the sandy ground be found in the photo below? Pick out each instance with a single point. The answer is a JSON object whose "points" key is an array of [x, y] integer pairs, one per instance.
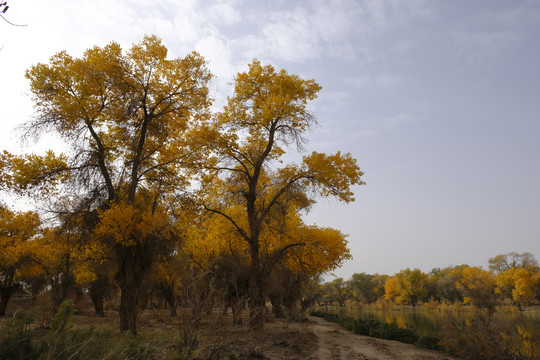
{"points": [[336, 343], [314, 339]]}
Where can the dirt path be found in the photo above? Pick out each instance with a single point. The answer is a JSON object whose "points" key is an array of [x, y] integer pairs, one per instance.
{"points": [[336, 343]]}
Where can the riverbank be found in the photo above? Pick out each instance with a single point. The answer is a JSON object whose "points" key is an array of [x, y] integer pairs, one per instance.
{"points": [[86, 336], [336, 343]]}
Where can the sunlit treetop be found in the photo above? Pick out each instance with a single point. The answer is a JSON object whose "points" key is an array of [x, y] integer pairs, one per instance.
{"points": [[267, 108], [16, 231], [519, 283], [126, 115]]}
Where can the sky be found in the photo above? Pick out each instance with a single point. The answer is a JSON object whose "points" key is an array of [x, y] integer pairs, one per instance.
{"points": [[439, 102]]}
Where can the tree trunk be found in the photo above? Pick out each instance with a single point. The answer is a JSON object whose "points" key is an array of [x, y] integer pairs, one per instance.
{"points": [[5, 295], [63, 284], [167, 290], [256, 296], [292, 309], [237, 308], [170, 298], [7, 288], [130, 276], [35, 293], [36, 284], [99, 289], [277, 305], [414, 300], [256, 312], [143, 299], [226, 307], [98, 305], [256, 304], [173, 309], [128, 308]]}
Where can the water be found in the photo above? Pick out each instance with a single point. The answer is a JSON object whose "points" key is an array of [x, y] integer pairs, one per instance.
{"points": [[433, 321]]}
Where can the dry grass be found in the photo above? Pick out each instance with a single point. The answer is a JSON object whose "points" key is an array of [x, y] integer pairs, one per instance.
{"points": [[167, 337]]}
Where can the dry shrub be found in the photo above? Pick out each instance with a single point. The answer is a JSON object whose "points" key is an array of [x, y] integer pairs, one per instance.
{"points": [[44, 309], [256, 353], [18, 342], [432, 305], [491, 337], [303, 340]]}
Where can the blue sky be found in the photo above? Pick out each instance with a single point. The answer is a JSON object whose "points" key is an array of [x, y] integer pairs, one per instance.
{"points": [[438, 100]]}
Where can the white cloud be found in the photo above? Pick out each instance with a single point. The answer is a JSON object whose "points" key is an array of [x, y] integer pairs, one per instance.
{"points": [[188, 26], [283, 35], [315, 29], [217, 52], [224, 13], [334, 21], [309, 32]]}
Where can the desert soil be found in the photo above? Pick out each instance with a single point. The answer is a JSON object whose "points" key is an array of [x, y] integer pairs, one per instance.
{"points": [[335, 343], [314, 339]]}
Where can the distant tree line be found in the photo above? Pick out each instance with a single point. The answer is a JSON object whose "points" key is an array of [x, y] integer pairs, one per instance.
{"points": [[512, 279]]}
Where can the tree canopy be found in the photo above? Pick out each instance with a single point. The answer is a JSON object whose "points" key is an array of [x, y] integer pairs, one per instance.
{"points": [[267, 114], [152, 178], [128, 119]]}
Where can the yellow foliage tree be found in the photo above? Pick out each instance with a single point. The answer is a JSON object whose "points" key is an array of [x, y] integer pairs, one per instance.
{"points": [[60, 260], [132, 119], [518, 283], [16, 231], [325, 249], [292, 250], [392, 290], [476, 285], [168, 274], [5, 169], [406, 287], [266, 113]]}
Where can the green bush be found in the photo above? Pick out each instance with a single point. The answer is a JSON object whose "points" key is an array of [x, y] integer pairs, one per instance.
{"points": [[16, 339], [61, 319], [429, 342], [347, 323], [17, 342], [371, 327], [97, 344], [393, 332], [364, 326]]}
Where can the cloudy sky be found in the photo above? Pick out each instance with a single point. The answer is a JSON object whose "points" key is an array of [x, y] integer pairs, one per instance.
{"points": [[438, 100]]}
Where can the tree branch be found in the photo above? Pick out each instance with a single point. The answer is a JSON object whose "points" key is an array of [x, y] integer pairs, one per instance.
{"points": [[273, 259], [231, 220]]}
